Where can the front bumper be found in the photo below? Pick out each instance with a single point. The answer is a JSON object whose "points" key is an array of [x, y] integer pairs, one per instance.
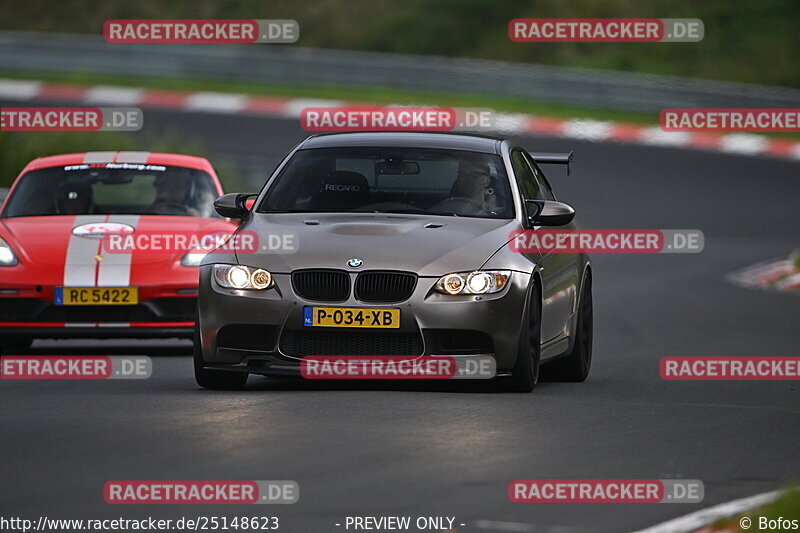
{"points": [[263, 332], [171, 316]]}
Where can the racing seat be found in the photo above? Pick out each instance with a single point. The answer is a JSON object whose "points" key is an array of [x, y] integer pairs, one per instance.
{"points": [[342, 190]]}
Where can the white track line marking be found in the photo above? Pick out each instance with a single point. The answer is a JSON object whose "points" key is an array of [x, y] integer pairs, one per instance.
{"points": [[658, 137], [19, 90], [520, 527], [216, 102], [743, 143], [591, 130], [101, 94], [703, 517]]}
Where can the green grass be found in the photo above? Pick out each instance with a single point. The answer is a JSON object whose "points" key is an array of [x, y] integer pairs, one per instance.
{"points": [[378, 95]]}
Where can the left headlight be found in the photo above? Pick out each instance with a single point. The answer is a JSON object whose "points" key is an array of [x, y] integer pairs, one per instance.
{"points": [[7, 257], [476, 282], [242, 277]]}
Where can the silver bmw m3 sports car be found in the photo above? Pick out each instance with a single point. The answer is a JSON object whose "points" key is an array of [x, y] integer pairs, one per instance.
{"points": [[416, 226]]}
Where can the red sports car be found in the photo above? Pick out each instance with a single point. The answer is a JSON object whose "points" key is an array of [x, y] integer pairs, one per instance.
{"points": [[60, 276]]}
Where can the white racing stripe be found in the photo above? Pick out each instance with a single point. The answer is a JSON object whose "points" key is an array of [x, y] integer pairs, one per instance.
{"points": [[82, 269], [114, 270], [132, 157], [80, 266], [99, 157]]}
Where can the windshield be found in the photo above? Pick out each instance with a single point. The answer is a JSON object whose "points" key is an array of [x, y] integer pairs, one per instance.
{"points": [[113, 188], [392, 180]]}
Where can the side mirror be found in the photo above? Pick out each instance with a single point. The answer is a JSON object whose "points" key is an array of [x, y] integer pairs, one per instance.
{"points": [[549, 213], [233, 205]]}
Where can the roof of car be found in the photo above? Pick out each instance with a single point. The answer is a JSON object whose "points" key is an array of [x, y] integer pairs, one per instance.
{"points": [[151, 158], [449, 141]]}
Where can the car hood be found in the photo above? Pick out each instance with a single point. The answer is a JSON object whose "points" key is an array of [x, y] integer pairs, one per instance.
{"points": [[426, 245], [46, 239]]}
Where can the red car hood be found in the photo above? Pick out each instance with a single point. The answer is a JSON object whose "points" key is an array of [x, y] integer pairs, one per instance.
{"points": [[54, 240]]}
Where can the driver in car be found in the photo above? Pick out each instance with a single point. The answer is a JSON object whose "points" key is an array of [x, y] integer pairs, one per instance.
{"points": [[172, 194], [74, 199], [472, 183]]}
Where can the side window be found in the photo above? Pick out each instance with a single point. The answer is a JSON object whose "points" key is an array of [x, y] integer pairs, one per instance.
{"points": [[545, 192], [524, 176]]}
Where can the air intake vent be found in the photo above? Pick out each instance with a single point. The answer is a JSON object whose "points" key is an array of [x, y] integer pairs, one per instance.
{"points": [[385, 286], [300, 343], [321, 285]]}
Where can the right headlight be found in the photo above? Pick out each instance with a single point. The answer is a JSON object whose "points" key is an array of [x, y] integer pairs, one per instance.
{"points": [[475, 282], [242, 277], [7, 257]]}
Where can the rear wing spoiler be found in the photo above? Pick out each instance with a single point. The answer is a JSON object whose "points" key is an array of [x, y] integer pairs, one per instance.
{"points": [[552, 158]]}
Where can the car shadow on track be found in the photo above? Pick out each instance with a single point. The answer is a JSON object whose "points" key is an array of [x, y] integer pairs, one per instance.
{"points": [[494, 386], [149, 347]]}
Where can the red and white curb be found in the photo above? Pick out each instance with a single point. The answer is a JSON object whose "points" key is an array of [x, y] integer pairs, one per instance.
{"points": [[781, 275], [698, 521], [509, 123]]}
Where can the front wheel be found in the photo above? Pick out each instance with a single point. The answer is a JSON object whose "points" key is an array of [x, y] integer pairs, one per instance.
{"points": [[525, 373], [575, 366], [214, 379]]}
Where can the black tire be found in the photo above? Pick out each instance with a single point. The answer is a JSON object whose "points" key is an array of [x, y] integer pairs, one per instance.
{"points": [[525, 373], [575, 366], [214, 379], [15, 345]]}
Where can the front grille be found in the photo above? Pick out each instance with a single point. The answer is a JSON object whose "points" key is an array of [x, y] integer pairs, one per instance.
{"points": [[383, 287], [321, 285], [300, 343]]}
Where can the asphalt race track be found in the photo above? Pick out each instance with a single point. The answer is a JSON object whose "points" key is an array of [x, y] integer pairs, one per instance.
{"points": [[445, 450]]}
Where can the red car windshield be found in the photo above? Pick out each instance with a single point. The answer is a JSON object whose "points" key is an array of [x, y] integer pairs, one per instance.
{"points": [[115, 188]]}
